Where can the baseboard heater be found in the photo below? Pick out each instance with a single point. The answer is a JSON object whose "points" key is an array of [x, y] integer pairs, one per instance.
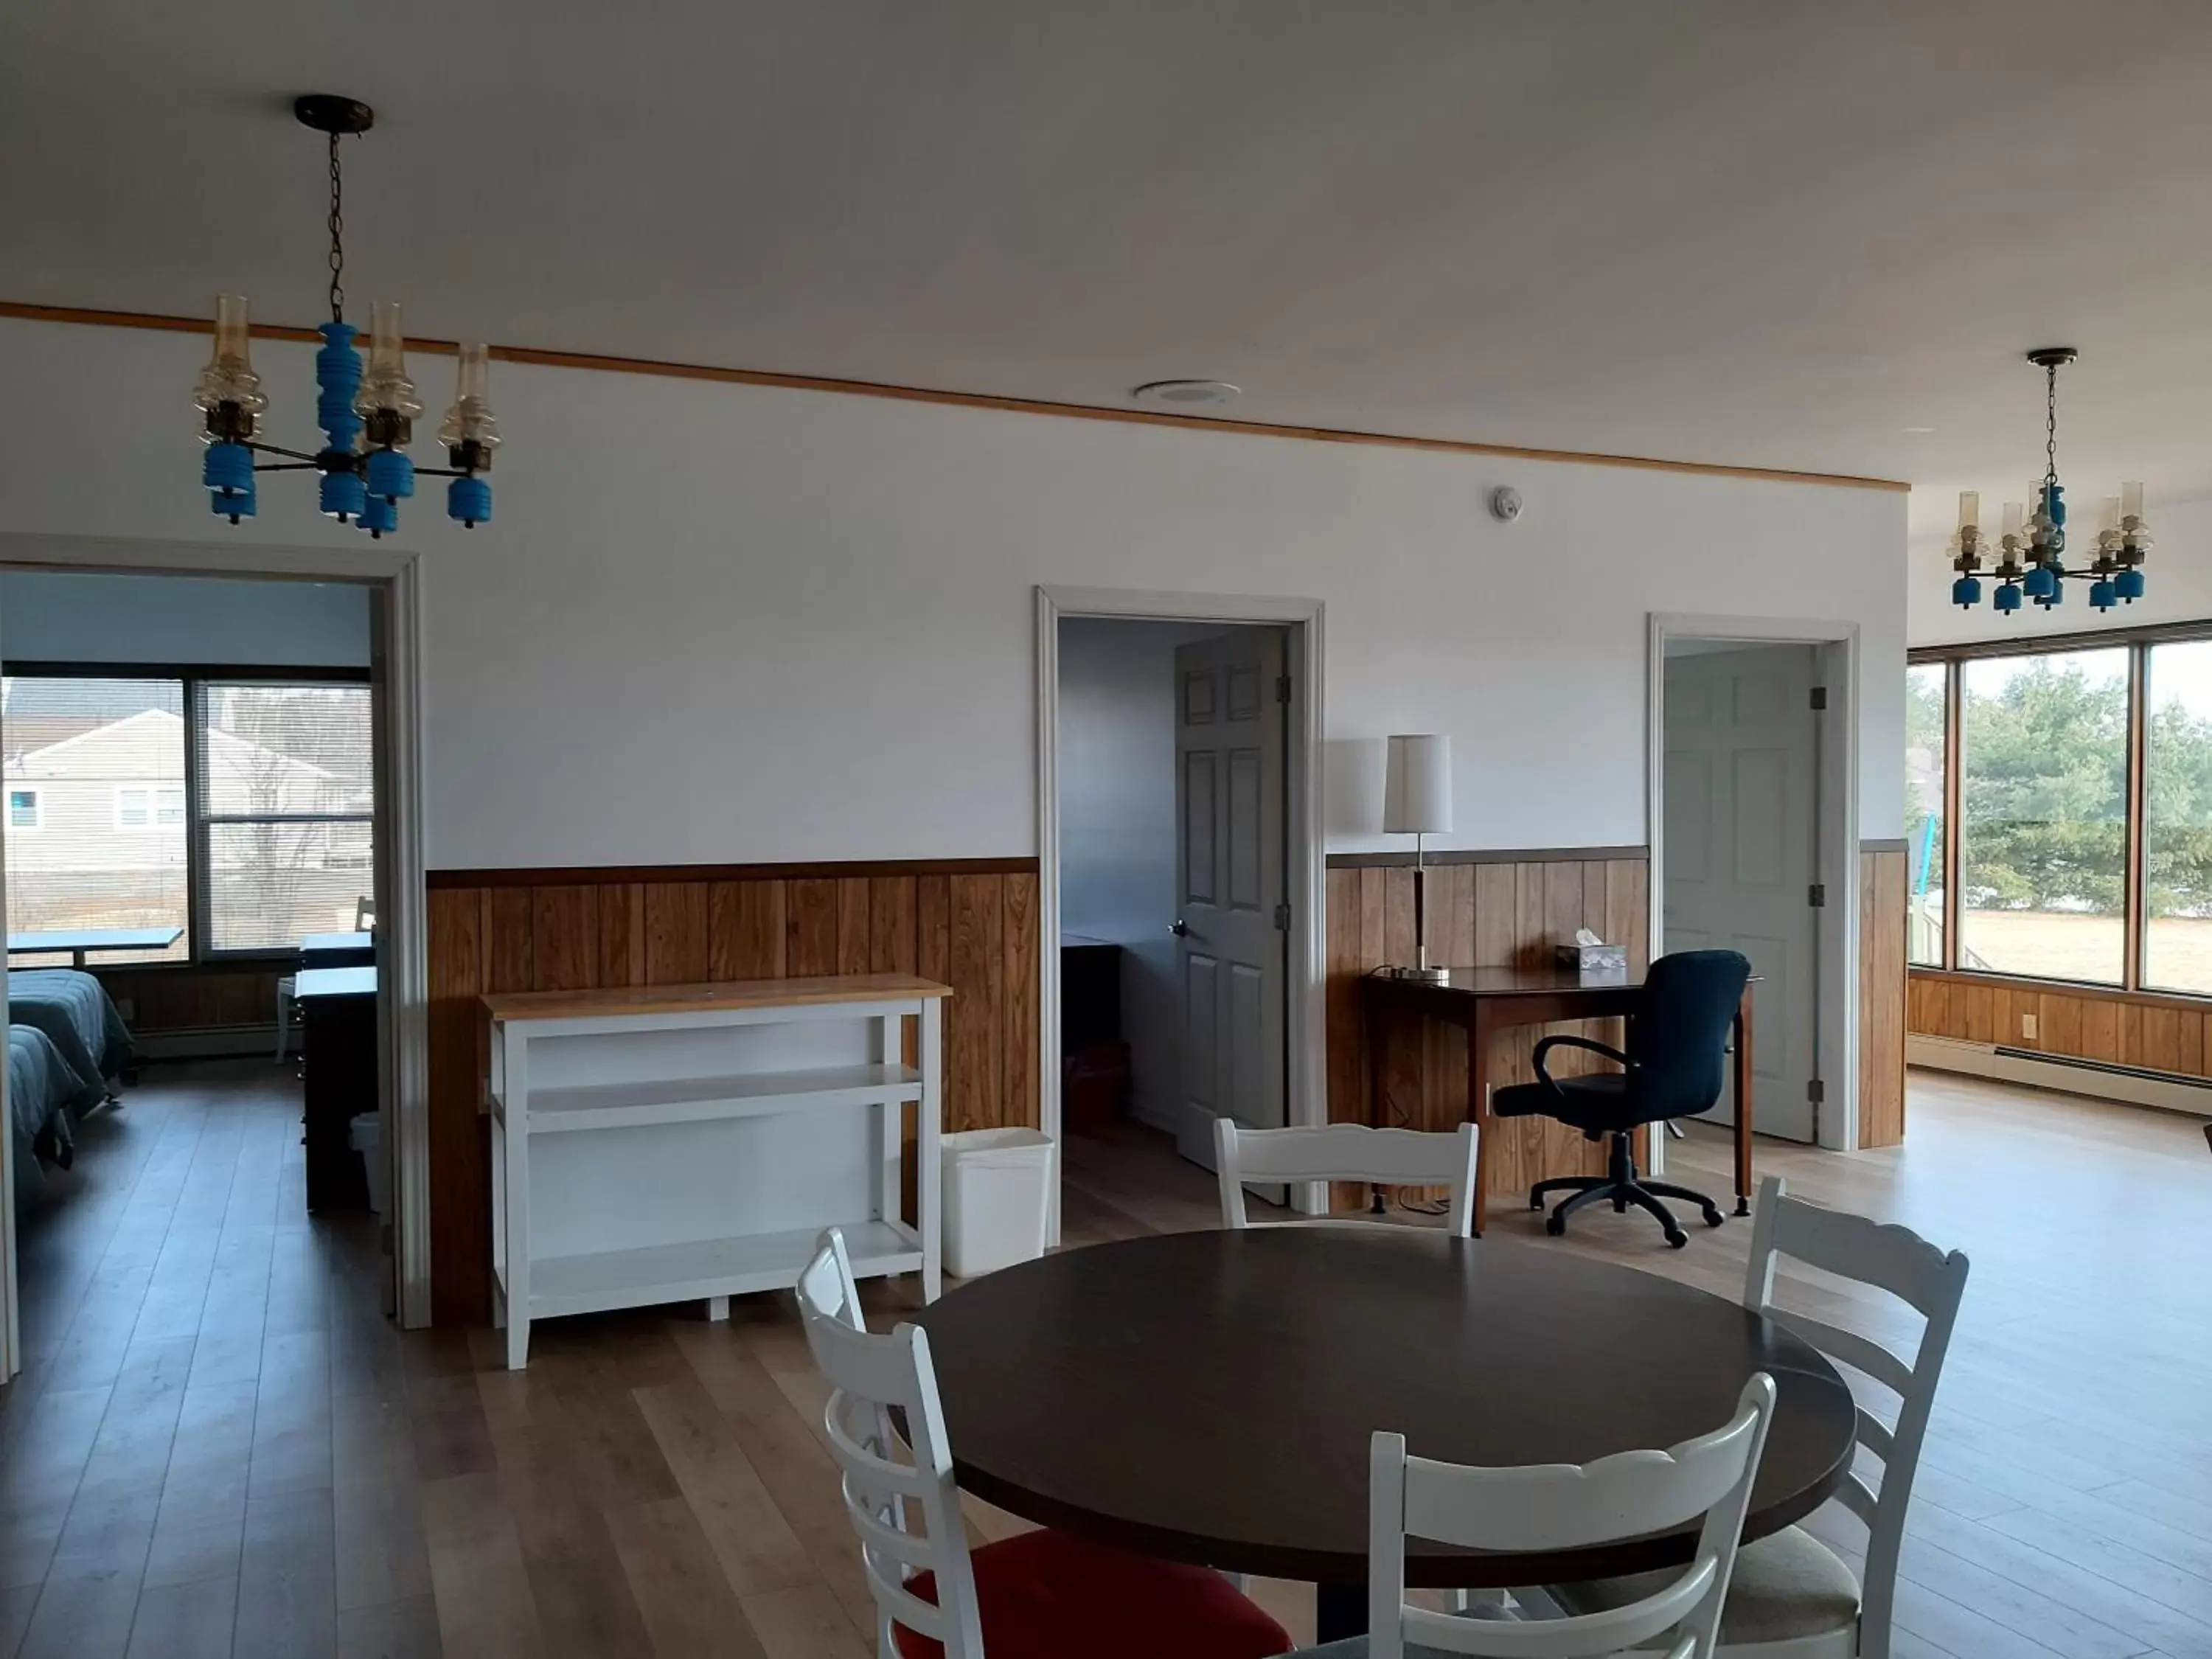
{"points": [[2103, 1080]]}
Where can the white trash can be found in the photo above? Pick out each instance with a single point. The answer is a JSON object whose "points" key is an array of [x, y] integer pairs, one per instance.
{"points": [[366, 1136], [997, 1186]]}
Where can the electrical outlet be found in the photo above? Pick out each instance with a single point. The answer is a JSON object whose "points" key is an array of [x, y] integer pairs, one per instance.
{"points": [[2028, 1028]]}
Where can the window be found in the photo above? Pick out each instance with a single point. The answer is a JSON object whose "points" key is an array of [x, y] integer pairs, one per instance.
{"points": [[1926, 725], [288, 805], [2178, 816], [137, 807], [2080, 773], [97, 758], [241, 812], [2043, 790]]}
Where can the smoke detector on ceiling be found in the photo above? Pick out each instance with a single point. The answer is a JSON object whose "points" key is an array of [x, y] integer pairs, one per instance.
{"points": [[1185, 393]]}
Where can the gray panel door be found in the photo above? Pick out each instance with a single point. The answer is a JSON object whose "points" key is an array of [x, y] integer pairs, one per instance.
{"points": [[1230, 877], [1741, 850]]}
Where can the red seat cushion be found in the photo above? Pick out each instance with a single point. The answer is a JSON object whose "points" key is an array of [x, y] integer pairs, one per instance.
{"points": [[1046, 1595]]}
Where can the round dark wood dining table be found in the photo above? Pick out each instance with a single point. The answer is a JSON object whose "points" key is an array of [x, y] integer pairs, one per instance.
{"points": [[1209, 1397]]}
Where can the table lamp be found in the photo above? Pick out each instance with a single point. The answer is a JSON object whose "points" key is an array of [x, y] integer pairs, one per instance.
{"points": [[1417, 802]]}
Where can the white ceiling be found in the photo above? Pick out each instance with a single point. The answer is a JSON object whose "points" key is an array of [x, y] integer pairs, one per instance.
{"points": [[1775, 232]]}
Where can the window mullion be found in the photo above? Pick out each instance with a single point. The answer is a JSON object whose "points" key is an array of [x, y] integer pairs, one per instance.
{"points": [[1953, 767], [2134, 887]]}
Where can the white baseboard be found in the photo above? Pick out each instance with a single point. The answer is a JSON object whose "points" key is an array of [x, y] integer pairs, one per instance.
{"points": [[2168, 1094], [1142, 1107], [208, 1042]]}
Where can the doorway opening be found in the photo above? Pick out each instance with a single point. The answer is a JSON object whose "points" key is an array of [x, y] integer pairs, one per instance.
{"points": [[1179, 895], [1753, 811], [213, 796]]}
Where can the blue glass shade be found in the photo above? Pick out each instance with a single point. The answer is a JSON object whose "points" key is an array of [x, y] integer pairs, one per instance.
{"points": [[2008, 597], [378, 516], [1966, 592], [2101, 597], [2128, 585], [2038, 583], [468, 501], [390, 474]]}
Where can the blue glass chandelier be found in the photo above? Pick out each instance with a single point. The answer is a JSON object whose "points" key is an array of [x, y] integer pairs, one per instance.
{"points": [[367, 416], [2031, 548]]}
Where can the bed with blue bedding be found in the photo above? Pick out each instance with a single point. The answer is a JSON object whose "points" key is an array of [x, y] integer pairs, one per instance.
{"points": [[79, 1018], [43, 1089]]}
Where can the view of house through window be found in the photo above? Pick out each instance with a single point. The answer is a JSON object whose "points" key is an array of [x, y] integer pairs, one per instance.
{"points": [[90, 765], [286, 795], [2043, 791], [1923, 811], [100, 822]]}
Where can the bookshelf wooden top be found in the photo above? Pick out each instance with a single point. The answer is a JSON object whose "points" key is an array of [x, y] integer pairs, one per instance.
{"points": [[713, 998]]}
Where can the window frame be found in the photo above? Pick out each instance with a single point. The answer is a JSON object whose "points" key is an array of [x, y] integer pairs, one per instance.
{"points": [[2135, 939], [191, 677]]}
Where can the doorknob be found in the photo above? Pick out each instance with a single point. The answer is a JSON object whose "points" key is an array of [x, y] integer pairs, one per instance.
{"points": [[1179, 928]]}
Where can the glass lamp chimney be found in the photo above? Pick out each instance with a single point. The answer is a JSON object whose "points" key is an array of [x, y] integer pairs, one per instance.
{"points": [[385, 388], [469, 430], [227, 389]]}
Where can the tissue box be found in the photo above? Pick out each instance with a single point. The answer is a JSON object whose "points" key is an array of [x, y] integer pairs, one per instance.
{"points": [[1593, 961]]}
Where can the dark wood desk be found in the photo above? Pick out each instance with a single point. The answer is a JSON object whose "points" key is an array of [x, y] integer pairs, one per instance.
{"points": [[1484, 1000], [1209, 1397]]}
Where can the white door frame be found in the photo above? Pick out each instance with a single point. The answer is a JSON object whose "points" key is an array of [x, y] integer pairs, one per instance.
{"points": [[1305, 875], [391, 573], [1838, 954]]}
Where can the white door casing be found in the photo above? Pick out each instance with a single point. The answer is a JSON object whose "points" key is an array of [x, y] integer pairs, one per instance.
{"points": [[1741, 833], [1229, 868]]}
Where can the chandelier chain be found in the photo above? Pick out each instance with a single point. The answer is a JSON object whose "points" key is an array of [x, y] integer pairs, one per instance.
{"points": [[2049, 425], [337, 235]]}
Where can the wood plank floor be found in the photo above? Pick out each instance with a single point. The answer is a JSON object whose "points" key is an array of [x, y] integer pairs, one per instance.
{"points": [[218, 1446]]}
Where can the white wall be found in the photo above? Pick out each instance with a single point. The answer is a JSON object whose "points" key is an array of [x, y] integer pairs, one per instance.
{"points": [[1117, 827], [70, 616], [2177, 587], [717, 623]]}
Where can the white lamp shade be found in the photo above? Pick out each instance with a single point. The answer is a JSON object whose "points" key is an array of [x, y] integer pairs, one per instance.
{"points": [[1416, 786]]}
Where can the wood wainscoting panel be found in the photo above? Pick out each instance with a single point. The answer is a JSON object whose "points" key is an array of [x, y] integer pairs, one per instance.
{"points": [[974, 928], [1479, 915], [1881, 996], [2159, 1032], [196, 998]]}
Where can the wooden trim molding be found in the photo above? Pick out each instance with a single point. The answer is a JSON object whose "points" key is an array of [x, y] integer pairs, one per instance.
{"points": [[598, 876], [1885, 844], [1488, 855], [2063, 987], [592, 361]]}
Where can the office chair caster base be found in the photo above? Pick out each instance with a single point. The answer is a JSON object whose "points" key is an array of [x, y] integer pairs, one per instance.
{"points": [[1677, 1239], [1555, 1224]]}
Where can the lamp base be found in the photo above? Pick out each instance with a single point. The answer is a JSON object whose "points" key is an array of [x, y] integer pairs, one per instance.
{"points": [[1425, 975]]}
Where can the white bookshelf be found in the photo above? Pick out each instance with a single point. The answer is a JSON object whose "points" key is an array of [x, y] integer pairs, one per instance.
{"points": [[685, 1143]]}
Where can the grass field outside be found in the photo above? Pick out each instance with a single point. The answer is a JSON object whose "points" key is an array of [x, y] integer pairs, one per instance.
{"points": [[2058, 944]]}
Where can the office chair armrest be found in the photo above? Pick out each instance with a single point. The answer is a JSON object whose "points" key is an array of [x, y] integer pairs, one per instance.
{"points": [[1596, 1047]]}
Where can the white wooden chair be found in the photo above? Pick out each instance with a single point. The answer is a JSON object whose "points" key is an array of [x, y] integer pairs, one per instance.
{"points": [[1042, 1595], [1562, 1506], [1346, 1152], [1794, 1597]]}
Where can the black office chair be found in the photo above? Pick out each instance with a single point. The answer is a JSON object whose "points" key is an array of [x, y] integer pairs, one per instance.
{"points": [[1677, 1039]]}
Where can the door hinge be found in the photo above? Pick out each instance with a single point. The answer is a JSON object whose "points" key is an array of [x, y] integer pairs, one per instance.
{"points": [[1282, 916], [1282, 688], [1816, 895], [1819, 698], [1815, 1090]]}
